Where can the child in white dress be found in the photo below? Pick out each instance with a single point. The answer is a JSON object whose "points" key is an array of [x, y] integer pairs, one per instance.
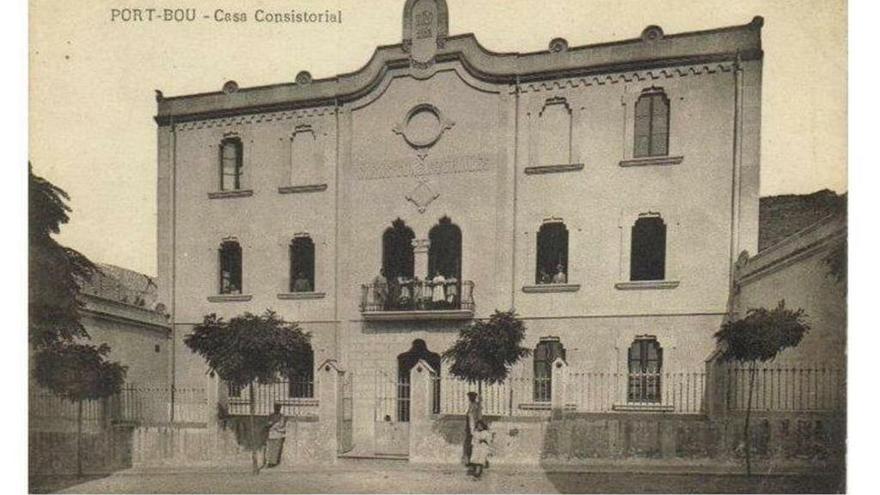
{"points": [[482, 446]]}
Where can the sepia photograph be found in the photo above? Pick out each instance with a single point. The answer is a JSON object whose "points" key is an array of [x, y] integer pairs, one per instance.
{"points": [[431, 246]]}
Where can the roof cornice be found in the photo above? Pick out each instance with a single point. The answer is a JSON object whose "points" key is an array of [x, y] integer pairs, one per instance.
{"points": [[652, 50]]}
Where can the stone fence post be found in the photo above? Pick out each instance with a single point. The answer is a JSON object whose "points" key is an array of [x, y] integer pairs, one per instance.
{"points": [[558, 386], [421, 379], [329, 378], [716, 387]]}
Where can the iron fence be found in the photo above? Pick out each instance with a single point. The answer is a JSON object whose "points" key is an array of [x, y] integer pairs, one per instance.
{"points": [[785, 388], [296, 398]]}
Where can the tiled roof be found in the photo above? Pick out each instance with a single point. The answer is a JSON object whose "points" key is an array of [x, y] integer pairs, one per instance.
{"points": [[123, 286], [783, 215]]}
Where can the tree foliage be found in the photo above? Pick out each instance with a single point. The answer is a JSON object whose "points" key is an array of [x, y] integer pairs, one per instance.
{"points": [[762, 334], [759, 337], [486, 350], [78, 372], [55, 272], [250, 347]]}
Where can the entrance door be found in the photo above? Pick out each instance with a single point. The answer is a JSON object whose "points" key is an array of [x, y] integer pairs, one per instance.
{"points": [[391, 415]]}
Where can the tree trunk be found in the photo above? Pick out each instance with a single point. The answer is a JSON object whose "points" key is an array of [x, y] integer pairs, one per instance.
{"points": [[253, 428], [747, 440], [79, 431]]}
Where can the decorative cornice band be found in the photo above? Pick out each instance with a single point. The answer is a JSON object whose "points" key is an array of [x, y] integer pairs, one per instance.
{"points": [[553, 169], [547, 79], [635, 75], [302, 189], [254, 117]]}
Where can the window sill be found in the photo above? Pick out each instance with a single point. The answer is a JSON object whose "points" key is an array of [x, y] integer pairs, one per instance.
{"points": [[535, 406], [307, 188], [647, 285], [554, 169], [301, 295], [636, 407], [230, 298], [652, 160], [240, 193], [549, 288]]}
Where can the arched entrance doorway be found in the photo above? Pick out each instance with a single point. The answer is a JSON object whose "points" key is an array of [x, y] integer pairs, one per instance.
{"points": [[393, 400], [405, 362]]}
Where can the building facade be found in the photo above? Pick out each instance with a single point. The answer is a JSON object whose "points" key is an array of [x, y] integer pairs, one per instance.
{"points": [[603, 192]]}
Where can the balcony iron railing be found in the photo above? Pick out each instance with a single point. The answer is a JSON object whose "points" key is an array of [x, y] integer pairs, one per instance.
{"points": [[417, 295]]}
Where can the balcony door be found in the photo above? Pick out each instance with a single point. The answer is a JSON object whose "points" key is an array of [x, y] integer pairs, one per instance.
{"points": [[444, 254], [397, 251]]}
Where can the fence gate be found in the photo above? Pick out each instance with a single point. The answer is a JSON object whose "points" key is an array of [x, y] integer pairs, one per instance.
{"points": [[346, 420], [392, 415]]}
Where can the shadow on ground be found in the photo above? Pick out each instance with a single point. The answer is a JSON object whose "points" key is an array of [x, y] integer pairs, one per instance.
{"points": [[694, 483], [57, 482]]}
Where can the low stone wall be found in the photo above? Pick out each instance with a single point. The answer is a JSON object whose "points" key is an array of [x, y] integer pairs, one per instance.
{"points": [[777, 438], [103, 451], [575, 437]]}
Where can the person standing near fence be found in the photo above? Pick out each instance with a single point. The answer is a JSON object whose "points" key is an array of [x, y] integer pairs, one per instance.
{"points": [[472, 416], [275, 442]]}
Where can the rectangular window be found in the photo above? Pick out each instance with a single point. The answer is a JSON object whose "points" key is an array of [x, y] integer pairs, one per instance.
{"points": [[651, 127], [230, 164]]}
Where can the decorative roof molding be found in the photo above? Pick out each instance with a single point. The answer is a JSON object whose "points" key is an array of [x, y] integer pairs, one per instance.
{"points": [[256, 118], [627, 77], [594, 61]]}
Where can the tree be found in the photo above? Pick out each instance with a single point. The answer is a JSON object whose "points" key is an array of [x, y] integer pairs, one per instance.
{"points": [[759, 337], [251, 349], [486, 350], [78, 372], [55, 272]]}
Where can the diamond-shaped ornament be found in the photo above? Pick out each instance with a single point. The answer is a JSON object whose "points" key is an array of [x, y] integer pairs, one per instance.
{"points": [[422, 195]]}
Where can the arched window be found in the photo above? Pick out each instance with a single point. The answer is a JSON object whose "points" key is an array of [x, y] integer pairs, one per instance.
{"points": [[302, 264], [444, 253], [305, 160], [397, 251], [547, 351], [645, 365], [552, 259], [302, 385], [651, 124], [648, 249], [230, 268], [231, 151], [555, 132], [405, 362]]}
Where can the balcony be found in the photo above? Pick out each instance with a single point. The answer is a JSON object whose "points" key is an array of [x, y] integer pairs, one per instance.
{"points": [[418, 300]]}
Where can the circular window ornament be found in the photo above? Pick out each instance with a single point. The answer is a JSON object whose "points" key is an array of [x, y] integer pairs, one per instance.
{"points": [[423, 126]]}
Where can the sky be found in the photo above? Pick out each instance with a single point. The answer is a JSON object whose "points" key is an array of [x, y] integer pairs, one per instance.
{"points": [[91, 98]]}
